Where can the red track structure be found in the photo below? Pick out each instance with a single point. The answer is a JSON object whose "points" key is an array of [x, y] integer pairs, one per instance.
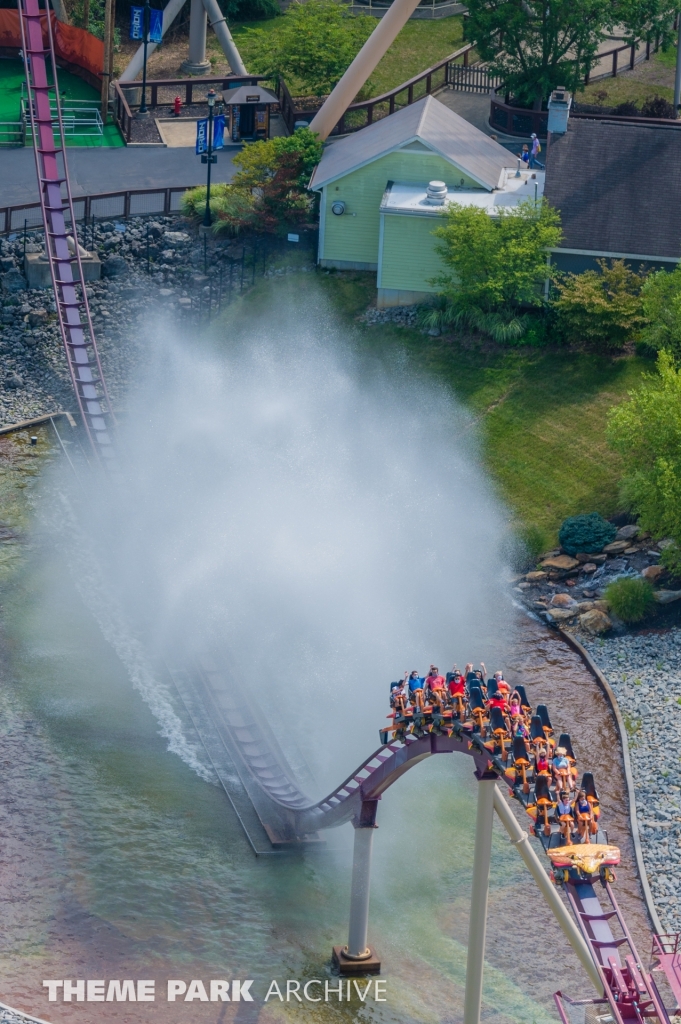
{"points": [[61, 242]]}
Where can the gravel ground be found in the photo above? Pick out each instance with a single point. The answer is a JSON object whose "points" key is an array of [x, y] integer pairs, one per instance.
{"points": [[13, 1017], [644, 672], [403, 315]]}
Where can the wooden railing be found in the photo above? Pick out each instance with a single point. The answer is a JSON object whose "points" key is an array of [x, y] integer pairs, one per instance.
{"points": [[522, 121], [133, 202], [359, 115], [182, 87]]}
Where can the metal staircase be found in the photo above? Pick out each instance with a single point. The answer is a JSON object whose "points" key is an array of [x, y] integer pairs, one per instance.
{"points": [[61, 240]]}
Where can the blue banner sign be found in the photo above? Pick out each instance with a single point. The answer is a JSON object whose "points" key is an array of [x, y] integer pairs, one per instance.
{"points": [[202, 135], [219, 132], [137, 23], [155, 24]]}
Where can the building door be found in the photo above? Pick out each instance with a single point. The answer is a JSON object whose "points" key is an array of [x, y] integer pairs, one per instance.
{"points": [[247, 121]]}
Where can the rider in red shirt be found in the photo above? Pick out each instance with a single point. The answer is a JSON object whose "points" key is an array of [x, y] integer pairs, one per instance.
{"points": [[435, 683]]}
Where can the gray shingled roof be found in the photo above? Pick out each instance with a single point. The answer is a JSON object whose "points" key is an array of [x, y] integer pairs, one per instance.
{"points": [[617, 187], [429, 120], [241, 95]]}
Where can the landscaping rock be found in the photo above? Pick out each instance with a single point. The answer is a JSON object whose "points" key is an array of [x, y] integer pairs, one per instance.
{"points": [[562, 600], [653, 572], [37, 316], [589, 567], [618, 547], [663, 544], [114, 266], [536, 577], [595, 621], [563, 562], [13, 281], [628, 532], [667, 596], [562, 614]]}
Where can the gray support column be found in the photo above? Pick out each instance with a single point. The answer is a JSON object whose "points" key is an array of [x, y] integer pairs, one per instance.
{"points": [[477, 928], [218, 23], [196, 63], [521, 841], [359, 896]]}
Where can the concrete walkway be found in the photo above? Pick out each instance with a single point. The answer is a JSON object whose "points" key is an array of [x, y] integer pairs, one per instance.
{"points": [[110, 170]]}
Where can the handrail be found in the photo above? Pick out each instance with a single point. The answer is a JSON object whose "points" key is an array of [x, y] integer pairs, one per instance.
{"points": [[168, 191], [290, 114], [122, 109]]}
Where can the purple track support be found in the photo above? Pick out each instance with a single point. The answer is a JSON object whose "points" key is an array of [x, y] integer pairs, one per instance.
{"points": [[61, 242]]}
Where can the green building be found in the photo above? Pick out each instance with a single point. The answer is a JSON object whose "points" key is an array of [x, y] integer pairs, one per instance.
{"points": [[384, 189]]}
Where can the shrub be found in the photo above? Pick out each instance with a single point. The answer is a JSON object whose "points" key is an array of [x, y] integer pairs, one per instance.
{"points": [[627, 109], [657, 106], [233, 209], [268, 192], [588, 532], [631, 599], [497, 264], [646, 431], [661, 298], [601, 309], [671, 559], [317, 42]]}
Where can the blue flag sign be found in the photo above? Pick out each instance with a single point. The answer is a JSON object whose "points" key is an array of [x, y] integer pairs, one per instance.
{"points": [[219, 132], [202, 133], [155, 24]]}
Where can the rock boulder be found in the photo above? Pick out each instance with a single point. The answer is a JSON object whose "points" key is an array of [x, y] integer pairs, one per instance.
{"points": [[595, 621]]}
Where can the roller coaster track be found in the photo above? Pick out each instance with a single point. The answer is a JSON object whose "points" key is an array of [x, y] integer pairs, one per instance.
{"points": [[289, 817], [61, 240]]}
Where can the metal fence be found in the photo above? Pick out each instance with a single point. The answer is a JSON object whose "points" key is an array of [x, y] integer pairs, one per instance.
{"points": [[126, 203]]}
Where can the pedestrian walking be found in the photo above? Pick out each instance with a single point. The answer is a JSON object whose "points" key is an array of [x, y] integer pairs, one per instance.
{"points": [[534, 153]]}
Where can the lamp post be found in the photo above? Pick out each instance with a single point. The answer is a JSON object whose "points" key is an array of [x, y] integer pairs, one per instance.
{"points": [[143, 112], [209, 157]]}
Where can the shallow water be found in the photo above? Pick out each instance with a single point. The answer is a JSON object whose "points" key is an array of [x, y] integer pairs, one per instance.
{"points": [[119, 861], [119, 857]]}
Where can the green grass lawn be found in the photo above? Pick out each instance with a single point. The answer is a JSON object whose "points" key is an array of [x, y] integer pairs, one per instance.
{"points": [[70, 87], [541, 414], [419, 45], [656, 79]]}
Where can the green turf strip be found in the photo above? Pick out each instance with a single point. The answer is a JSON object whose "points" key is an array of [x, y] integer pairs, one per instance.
{"points": [[70, 88]]}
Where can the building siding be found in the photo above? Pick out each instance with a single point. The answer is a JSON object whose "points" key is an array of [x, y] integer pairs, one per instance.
{"points": [[354, 236], [404, 236]]}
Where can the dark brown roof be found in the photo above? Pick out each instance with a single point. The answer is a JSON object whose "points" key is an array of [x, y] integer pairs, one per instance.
{"points": [[617, 187]]}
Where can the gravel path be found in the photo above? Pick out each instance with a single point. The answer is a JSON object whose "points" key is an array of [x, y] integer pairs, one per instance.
{"points": [[644, 672]]}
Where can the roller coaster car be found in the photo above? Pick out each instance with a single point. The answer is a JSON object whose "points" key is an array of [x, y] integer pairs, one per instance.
{"points": [[543, 800], [477, 707], [543, 715], [492, 688], [537, 737], [589, 787], [524, 702], [584, 861], [521, 761], [499, 729]]}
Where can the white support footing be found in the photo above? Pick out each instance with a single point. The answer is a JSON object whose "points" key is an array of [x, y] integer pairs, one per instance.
{"points": [[359, 897]]}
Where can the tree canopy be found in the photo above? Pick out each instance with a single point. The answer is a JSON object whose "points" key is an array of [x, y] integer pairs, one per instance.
{"points": [[497, 262], [315, 44], [537, 45]]}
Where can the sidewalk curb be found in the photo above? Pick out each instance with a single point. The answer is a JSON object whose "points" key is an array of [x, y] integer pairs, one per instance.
{"points": [[572, 642]]}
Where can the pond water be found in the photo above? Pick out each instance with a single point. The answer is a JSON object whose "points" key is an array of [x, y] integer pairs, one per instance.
{"points": [[120, 858]]}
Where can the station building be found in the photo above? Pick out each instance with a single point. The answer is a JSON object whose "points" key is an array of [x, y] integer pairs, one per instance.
{"points": [[377, 210]]}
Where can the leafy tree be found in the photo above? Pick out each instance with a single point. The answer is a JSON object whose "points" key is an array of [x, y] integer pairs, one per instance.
{"points": [[497, 264], [316, 43], [537, 45], [601, 309], [646, 431], [661, 298], [269, 191]]}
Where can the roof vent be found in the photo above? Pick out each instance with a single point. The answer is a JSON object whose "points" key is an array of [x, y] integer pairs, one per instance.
{"points": [[436, 193]]}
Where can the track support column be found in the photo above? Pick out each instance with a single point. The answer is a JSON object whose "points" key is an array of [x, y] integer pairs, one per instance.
{"points": [[357, 957], [196, 63], [477, 928]]}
